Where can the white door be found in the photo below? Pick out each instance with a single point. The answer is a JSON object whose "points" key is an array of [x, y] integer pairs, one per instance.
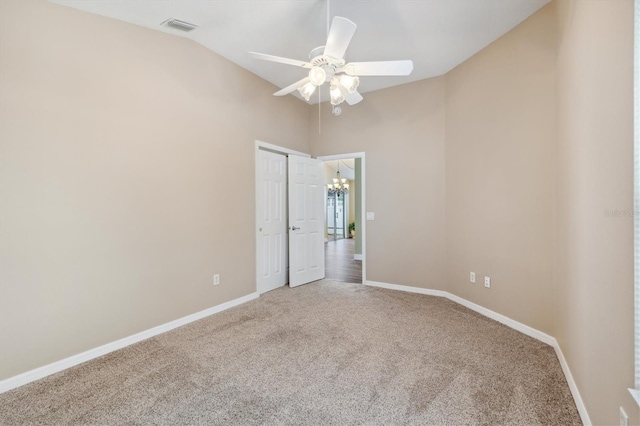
{"points": [[306, 220], [272, 221]]}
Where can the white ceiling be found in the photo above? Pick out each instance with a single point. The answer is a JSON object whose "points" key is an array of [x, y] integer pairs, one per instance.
{"points": [[436, 34], [347, 167]]}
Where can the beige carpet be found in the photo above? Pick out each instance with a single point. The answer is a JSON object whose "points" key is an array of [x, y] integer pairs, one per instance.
{"points": [[324, 353]]}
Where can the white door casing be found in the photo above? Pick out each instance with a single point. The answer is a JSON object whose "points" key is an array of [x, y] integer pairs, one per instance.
{"points": [[306, 220], [363, 203], [272, 259]]}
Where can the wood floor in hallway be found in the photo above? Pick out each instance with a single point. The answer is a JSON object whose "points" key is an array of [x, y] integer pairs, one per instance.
{"points": [[339, 264]]}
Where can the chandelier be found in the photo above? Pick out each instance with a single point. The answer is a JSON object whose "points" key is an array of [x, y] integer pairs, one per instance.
{"points": [[339, 186], [341, 85]]}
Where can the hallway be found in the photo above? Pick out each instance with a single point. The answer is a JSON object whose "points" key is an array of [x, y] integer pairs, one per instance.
{"points": [[339, 263]]}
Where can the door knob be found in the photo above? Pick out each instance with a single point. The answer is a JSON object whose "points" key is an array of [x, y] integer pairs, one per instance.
{"points": [[294, 228]]}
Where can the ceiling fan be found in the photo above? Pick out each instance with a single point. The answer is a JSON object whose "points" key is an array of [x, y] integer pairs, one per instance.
{"points": [[327, 65]]}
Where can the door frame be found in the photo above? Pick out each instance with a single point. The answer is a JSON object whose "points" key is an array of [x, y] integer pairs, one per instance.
{"points": [[260, 145], [363, 203]]}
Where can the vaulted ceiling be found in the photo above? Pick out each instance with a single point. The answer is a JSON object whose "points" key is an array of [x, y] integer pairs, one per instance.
{"points": [[436, 34]]}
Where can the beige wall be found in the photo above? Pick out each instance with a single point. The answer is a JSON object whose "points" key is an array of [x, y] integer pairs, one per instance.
{"points": [[500, 127], [539, 146], [127, 179], [117, 148], [594, 253], [405, 242]]}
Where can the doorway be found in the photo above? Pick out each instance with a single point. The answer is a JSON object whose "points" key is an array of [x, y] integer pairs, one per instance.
{"points": [[343, 206], [273, 253]]}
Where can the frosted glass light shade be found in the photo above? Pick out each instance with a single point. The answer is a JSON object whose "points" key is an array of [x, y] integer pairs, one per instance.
{"points": [[307, 90], [350, 83], [317, 76], [337, 97]]}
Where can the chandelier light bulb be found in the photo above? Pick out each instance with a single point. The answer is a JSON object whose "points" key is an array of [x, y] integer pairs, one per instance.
{"points": [[350, 83], [317, 76], [307, 90]]}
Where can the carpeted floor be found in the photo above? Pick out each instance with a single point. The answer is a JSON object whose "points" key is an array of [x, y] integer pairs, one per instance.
{"points": [[323, 353]]}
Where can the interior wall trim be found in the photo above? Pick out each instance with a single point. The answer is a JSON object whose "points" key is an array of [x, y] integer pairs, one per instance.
{"points": [[518, 326], [363, 201], [279, 149], [63, 364]]}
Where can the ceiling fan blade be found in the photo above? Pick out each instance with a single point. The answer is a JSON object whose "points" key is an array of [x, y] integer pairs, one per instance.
{"points": [[379, 68], [340, 35], [280, 59], [291, 88], [353, 98]]}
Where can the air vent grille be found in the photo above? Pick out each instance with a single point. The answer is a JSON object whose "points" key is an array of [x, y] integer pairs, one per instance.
{"points": [[179, 25]]}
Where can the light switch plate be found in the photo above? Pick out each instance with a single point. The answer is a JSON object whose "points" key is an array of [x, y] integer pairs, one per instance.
{"points": [[370, 216], [472, 277]]}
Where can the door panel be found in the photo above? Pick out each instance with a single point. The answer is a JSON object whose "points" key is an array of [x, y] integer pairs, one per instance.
{"points": [[306, 220], [272, 224]]}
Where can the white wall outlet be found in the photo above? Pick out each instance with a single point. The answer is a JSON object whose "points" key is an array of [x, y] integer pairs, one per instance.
{"points": [[624, 419], [216, 279], [472, 277], [487, 282], [371, 216]]}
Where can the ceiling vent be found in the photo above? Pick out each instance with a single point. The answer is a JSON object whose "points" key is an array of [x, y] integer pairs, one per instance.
{"points": [[179, 25]]}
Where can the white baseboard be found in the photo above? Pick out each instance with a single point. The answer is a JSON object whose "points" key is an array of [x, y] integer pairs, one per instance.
{"points": [[357, 256], [582, 410], [63, 364], [524, 329], [407, 288]]}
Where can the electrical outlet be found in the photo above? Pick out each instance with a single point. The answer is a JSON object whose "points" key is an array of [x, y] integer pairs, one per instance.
{"points": [[472, 277], [216, 279], [624, 419], [487, 282]]}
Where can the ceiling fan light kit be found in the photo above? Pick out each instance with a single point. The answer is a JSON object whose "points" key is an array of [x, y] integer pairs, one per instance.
{"points": [[349, 82], [327, 65], [335, 92], [317, 76], [307, 90]]}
